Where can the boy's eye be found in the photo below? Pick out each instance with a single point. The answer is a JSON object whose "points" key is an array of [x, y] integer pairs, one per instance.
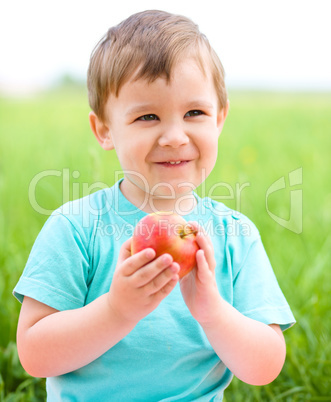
{"points": [[148, 117], [192, 113]]}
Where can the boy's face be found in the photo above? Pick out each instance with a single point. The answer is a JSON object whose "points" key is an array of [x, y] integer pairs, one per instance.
{"points": [[165, 133]]}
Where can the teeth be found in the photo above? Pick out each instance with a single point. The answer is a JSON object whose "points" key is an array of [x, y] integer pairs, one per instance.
{"points": [[175, 163]]}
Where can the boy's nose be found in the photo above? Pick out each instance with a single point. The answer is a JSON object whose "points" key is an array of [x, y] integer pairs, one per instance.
{"points": [[174, 137]]}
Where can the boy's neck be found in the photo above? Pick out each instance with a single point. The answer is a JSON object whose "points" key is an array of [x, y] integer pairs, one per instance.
{"points": [[182, 204]]}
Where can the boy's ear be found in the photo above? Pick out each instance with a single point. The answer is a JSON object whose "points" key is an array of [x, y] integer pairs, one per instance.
{"points": [[101, 131], [222, 116]]}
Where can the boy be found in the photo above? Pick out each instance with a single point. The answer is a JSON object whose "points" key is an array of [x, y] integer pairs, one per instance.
{"points": [[103, 324]]}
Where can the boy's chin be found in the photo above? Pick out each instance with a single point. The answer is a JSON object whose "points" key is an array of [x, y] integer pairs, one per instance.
{"points": [[166, 191], [182, 202]]}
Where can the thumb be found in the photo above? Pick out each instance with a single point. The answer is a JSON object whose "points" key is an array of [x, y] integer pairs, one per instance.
{"points": [[125, 250]]}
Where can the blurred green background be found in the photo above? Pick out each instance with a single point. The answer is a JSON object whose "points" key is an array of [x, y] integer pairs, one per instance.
{"points": [[266, 136]]}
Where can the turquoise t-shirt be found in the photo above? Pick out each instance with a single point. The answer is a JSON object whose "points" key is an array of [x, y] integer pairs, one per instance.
{"points": [[167, 356]]}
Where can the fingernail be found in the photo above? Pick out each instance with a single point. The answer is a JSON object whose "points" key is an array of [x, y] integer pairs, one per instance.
{"points": [[166, 259], [150, 253], [201, 252], [175, 267]]}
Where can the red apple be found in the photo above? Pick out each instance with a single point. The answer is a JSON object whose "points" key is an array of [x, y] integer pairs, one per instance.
{"points": [[167, 232]]}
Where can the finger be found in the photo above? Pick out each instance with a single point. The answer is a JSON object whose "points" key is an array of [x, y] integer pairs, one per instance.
{"points": [[161, 280], [125, 250], [199, 230], [194, 225], [203, 270], [137, 261], [150, 271], [205, 243], [208, 249], [164, 291]]}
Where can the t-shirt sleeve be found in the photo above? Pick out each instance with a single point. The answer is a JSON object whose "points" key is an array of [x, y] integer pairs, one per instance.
{"points": [[256, 291], [57, 269]]}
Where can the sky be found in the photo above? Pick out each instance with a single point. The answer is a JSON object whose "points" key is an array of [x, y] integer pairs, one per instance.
{"points": [[283, 44]]}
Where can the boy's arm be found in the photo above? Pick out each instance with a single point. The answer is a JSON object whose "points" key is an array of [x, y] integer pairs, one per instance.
{"points": [[52, 342], [254, 352]]}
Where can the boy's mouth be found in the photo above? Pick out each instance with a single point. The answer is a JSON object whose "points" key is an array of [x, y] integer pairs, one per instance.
{"points": [[173, 163]]}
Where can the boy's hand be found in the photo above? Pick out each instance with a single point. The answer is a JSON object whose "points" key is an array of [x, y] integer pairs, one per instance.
{"points": [[198, 287], [140, 283]]}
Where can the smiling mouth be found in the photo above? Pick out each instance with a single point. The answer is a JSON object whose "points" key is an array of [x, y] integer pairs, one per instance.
{"points": [[173, 163]]}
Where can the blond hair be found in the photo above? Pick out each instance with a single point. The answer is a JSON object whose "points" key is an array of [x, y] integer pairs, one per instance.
{"points": [[151, 42]]}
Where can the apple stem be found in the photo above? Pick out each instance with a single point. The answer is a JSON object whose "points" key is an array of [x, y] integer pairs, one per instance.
{"points": [[188, 233]]}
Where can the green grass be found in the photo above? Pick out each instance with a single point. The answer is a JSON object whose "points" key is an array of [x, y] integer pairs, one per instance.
{"points": [[266, 136]]}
